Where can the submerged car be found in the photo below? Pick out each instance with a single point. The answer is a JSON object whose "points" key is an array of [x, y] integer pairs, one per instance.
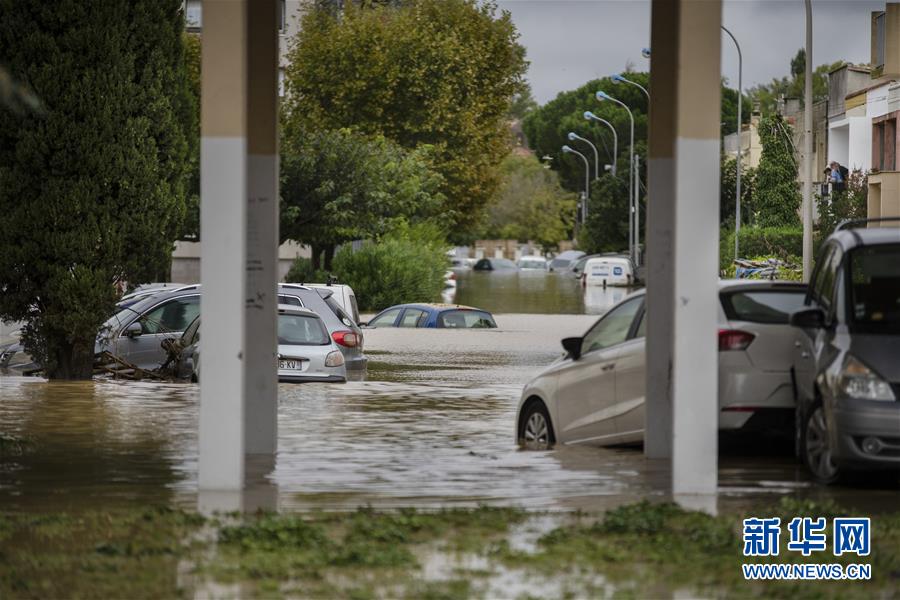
{"points": [[595, 393], [564, 260], [444, 316], [534, 263], [136, 332], [846, 361], [306, 352], [495, 264], [608, 270]]}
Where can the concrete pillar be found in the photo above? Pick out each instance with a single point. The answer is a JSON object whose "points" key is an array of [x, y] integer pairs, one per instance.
{"points": [[683, 227], [238, 216]]}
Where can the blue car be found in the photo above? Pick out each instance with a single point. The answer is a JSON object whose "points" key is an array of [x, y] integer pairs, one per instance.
{"points": [[445, 316]]}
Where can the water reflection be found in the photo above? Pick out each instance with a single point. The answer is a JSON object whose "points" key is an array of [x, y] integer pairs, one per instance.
{"points": [[599, 299]]}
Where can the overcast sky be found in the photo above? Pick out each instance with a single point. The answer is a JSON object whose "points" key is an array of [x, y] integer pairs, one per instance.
{"points": [[572, 41]]}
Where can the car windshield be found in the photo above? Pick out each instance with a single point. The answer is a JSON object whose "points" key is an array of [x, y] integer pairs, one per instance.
{"points": [[763, 306], [875, 288], [301, 330], [531, 264]]}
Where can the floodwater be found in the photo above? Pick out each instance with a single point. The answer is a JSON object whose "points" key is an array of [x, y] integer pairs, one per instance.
{"points": [[433, 426]]}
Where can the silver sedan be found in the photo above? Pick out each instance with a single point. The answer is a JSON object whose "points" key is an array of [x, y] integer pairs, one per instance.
{"points": [[594, 394]]}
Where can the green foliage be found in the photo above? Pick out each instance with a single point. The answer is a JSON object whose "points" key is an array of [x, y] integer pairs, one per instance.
{"points": [[606, 229], [522, 103], [302, 271], [768, 94], [727, 183], [729, 108], [777, 197], [530, 204], [190, 229], [776, 242], [407, 265], [849, 204], [91, 191], [435, 72], [338, 186]]}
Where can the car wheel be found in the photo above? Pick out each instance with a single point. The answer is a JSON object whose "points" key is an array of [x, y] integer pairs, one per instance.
{"points": [[536, 432], [815, 447]]}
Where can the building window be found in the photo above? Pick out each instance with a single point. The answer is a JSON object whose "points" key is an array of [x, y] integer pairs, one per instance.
{"points": [[282, 16], [281, 82], [193, 14], [884, 137], [879, 40]]}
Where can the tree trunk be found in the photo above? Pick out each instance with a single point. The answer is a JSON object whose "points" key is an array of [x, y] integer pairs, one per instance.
{"points": [[329, 256], [316, 258], [69, 360]]}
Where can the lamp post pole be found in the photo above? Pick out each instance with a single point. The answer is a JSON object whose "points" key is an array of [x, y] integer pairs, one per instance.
{"points": [[574, 136], [737, 186], [587, 180], [592, 117], [601, 96], [807, 150], [620, 78]]}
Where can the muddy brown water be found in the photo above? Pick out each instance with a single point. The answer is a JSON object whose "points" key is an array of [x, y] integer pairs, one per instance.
{"points": [[433, 426]]}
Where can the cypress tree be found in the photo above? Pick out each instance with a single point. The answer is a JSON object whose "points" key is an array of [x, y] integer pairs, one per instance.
{"points": [[777, 194], [92, 190]]}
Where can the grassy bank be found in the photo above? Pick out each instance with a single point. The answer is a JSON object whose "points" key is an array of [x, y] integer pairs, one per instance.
{"points": [[636, 551]]}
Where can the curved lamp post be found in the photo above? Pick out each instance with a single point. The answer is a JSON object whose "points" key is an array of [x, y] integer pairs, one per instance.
{"points": [[587, 179], [737, 186], [618, 78], [592, 117], [574, 136], [601, 96]]}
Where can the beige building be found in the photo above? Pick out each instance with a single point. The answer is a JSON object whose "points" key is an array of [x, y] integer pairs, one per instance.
{"points": [[880, 104], [751, 147]]}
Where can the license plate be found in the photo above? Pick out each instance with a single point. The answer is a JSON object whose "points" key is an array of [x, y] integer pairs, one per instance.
{"points": [[290, 365], [600, 272]]}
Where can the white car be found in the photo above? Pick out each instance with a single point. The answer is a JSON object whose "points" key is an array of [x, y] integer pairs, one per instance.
{"points": [[608, 270], [538, 263], [595, 393], [343, 295]]}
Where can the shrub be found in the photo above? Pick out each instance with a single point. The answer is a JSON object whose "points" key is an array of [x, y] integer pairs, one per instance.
{"points": [[405, 266], [302, 272], [775, 242]]}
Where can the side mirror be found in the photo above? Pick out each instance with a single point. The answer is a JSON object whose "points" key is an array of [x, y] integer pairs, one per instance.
{"points": [[134, 330], [363, 324], [572, 345], [810, 318]]}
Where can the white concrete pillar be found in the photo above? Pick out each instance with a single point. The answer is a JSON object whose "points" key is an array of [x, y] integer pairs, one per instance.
{"points": [[683, 227], [238, 205]]}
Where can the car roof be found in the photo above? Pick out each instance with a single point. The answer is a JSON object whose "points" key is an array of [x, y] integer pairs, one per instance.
{"points": [[608, 258], [569, 254], [865, 236], [735, 284], [298, 310], [436, 306]]}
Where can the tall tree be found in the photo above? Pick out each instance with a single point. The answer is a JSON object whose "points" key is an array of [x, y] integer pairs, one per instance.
{"points": [[530, 204], [434, 72], [777, 195], [338, 186], [768, 94], [91, 192]]}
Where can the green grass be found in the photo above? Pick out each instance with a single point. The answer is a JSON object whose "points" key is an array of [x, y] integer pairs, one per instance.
{"points": [[641, 550]]}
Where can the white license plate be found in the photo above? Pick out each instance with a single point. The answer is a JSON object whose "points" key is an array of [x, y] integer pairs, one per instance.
{"points": [[290, 365]]}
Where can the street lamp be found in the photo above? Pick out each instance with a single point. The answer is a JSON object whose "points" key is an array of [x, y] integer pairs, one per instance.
{"points": [[587, 179], [618, 78], [601, 96], [574, 136], [592, 117], [737, 186]]}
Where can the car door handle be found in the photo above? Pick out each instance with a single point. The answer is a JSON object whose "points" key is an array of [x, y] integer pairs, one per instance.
{"points": [[609, 367]]}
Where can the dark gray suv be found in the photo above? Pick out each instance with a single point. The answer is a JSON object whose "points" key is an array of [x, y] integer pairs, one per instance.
{"points": [[846, 367]]}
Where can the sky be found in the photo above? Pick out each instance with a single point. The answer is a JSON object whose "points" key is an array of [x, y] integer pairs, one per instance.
{"points": [[570, 42]]}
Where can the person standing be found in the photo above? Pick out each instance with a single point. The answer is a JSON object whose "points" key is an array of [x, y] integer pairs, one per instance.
{"points": [[838, 177]]}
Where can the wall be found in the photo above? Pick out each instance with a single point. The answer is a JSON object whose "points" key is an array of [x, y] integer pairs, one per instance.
{"points": [[186, 260]]}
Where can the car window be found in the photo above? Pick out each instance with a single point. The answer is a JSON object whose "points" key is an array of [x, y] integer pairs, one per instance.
{"points": [[172, 316], [875, 288], [769, 306], [290, 300], [301, 330], [339, 311], [354, 308], [466, 319], [192, 333], [386, 319], [613, 328], [642, 327], [413, 317], [821, 276]]}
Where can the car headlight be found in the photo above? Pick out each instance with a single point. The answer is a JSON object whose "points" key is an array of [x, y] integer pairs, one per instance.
{"points": [[334, 359], [858, 381]]}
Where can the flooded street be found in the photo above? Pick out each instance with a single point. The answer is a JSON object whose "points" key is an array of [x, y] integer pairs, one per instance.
{"points": [[433, 426]]}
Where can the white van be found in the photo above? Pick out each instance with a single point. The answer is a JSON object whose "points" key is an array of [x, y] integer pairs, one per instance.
{"points": [[608, 270]]}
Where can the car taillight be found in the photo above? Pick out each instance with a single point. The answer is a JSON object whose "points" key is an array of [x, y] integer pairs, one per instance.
{"points": [[346, 338], [334, 359], [734, 339]]}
